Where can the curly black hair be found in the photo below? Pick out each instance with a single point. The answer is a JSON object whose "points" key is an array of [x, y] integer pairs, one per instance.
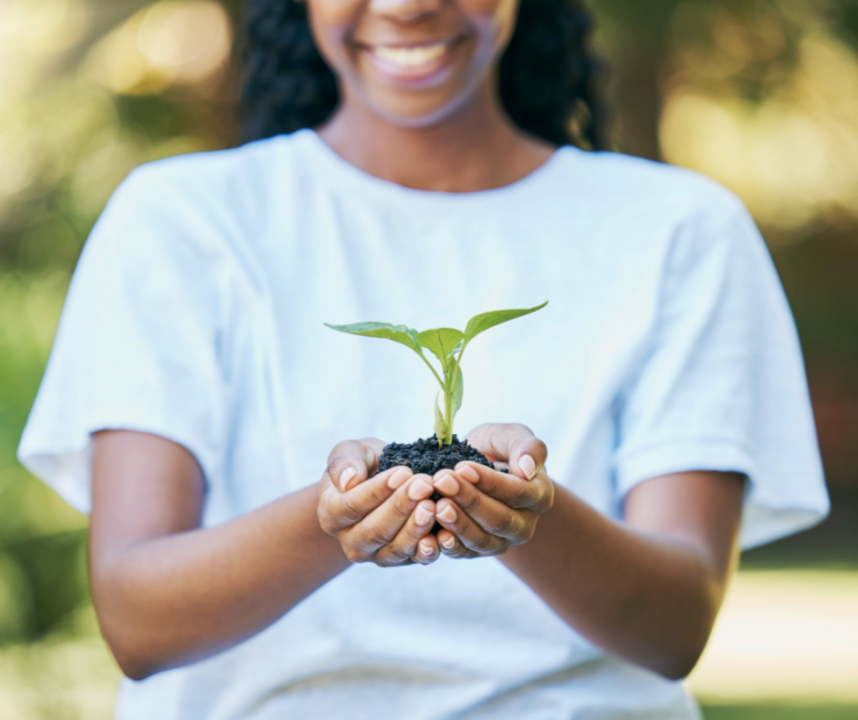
{"points": [[548, 75]]}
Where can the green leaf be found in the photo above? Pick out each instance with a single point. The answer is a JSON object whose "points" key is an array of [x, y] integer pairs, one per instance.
{"points": [[481, 323], [398, 333], [456, 395], [441, 342], [441, 428]]}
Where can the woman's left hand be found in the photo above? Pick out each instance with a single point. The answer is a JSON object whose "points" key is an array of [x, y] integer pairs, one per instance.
{"points": [[483, 512]]}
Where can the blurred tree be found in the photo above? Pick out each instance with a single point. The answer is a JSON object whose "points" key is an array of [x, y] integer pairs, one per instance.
{"points": [[633, 38]]}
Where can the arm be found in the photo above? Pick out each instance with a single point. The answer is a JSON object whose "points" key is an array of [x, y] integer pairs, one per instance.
{"points": [[169, 593], [646, 590]]}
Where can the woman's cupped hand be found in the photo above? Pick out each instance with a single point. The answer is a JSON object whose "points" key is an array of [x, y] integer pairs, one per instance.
{"points": [[484, 511], [388, 518], [384, 518]]}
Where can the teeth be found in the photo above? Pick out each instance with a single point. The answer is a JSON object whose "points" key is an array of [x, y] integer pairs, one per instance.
{"points": [[410, 57]]}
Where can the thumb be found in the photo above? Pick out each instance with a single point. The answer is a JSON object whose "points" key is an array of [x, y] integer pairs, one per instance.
{"points": [[352, 462], [527, 453]]}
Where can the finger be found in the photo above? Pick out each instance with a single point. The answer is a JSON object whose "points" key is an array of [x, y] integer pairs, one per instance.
{"points": [[512, 491], [351, 507], [471, 535], [382, 524], [512, 443], [351, 462], [492, 516], [524, 452], [526, 459], [452, 547], [427, 550], [405, 544]]}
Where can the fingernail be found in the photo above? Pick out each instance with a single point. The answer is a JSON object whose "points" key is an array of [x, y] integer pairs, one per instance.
{"points": [[427, 549], [396, 480], [527, 465], [449, 543], [448, 515], [422, 516], [345, 476], [467, 472], [447, 485], [419, 490]]}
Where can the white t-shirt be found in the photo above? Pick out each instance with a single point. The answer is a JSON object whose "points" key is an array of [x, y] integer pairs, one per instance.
{"points": [[197, 313]]}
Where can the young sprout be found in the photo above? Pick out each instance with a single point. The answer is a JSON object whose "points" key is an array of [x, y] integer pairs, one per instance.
{"points": [[448, 345]]}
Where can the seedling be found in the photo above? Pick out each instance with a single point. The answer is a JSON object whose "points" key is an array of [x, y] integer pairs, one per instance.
{"points": [[446, 344]]}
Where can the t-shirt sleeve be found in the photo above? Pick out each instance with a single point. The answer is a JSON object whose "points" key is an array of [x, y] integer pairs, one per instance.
{"points": [[136, 347], [722, 384]]}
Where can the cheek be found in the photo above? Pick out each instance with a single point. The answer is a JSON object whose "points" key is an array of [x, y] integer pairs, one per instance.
{"points": [[494, 20], [331, 22]]}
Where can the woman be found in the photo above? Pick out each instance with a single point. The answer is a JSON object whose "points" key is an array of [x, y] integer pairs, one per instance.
{"points": [[193, 394]]}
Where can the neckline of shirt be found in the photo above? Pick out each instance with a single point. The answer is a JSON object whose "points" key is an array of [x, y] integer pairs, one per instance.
{"points": [[342, 173]]}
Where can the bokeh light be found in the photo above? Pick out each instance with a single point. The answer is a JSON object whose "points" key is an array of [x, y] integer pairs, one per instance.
{"points": [[164, 44], [786, 139]]}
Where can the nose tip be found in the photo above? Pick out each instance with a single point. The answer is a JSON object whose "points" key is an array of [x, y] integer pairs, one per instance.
{"points": [[405, 10]]}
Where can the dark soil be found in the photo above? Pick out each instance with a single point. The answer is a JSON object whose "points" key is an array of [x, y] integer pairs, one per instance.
{"points": [[424, 456]]}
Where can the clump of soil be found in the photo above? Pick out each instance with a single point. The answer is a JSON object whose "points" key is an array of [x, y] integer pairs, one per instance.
{"points": [[424, 456]]}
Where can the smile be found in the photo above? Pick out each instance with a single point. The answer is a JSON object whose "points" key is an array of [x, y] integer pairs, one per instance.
{"points": [[412, 65], [411, 58]]}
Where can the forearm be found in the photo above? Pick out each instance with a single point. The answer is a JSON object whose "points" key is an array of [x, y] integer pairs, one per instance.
{"points": [[176, 599], [649, 600]]}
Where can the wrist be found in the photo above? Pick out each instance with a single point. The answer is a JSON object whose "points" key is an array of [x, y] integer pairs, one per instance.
{"points": [[527, 552]]}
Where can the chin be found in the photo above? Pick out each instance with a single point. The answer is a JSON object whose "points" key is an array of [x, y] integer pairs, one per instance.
{"points": [[417, 112]]}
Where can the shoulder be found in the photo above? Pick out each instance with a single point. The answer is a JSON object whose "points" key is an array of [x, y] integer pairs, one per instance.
{"points": [[212, 203], [175, 211], [223, 178], [233, 186], [677, 215], [631, 184]]}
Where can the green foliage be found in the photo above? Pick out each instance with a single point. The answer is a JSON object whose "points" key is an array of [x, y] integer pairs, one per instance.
{"points": [[447, 345], [42, 540]]}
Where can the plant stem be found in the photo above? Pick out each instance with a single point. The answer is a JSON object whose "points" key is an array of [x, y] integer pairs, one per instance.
{"points": [[459, 359], [448, 395], [434, 372], [448, 406]]}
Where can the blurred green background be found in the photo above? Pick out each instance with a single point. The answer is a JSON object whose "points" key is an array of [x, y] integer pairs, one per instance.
{"points": [[761, 95]]}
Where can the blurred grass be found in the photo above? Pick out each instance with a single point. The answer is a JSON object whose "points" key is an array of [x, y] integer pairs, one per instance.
{"points": [[785, 648], [780, 712], [66, 675], [69, 675], [784, 636]]}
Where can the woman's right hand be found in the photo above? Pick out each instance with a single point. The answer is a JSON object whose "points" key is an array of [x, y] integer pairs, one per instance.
{"points": [[386, 519]]}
